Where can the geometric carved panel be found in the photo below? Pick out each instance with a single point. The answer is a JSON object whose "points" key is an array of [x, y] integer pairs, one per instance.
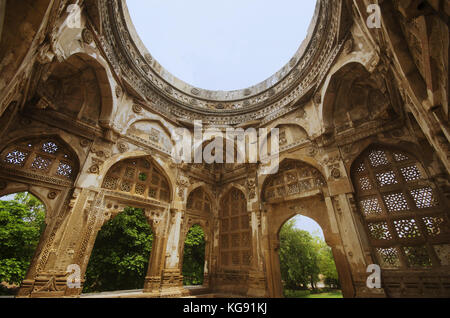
{"points": [[407, 228], [41, 156], [137, 177], [396, 198], [396, 202], [379, 231], [417, 256], [389, 257], [198, 200], [235, 232], [293, 177]]}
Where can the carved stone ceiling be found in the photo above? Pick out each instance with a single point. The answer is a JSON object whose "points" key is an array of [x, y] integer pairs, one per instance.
{"points": [[163, 93]]}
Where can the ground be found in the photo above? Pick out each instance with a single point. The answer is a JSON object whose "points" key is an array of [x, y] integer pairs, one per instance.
{"points": [[307, 294]]}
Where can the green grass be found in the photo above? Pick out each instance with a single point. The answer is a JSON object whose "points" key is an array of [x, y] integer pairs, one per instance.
{"points": [[307, 294]]}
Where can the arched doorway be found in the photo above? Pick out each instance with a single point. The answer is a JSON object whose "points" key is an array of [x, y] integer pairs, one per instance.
{"points": [[193, 268], [140, 183], [196, 249], [22, 223], [298, 188], [47, 167], [121, 253], [307, 264]]}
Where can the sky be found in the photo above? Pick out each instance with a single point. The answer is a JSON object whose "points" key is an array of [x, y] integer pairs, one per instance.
{"points": [[222, 44], [309, 225]]}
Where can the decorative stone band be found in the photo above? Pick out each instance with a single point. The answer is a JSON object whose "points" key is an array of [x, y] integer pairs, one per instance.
{"points": [[126, 58], [34, 176]]}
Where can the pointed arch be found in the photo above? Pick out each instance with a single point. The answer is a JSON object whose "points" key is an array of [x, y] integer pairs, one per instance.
{"points": [[405, 214], [79, 87], [140, 177], [294, 178]]}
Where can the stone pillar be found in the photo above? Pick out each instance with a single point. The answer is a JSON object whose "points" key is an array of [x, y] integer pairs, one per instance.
{"points": [[65, 242], [172, 278], [257, 276], [153, 278], [271, 262], [214, 248], [350, 251], [207, 259]]}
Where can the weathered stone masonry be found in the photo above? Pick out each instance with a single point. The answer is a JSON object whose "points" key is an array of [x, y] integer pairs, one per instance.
{"points": [[86, 123]]}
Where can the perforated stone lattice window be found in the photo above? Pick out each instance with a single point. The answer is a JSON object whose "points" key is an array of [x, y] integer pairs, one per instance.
{"points": [[64, 169], [49, 147], [235, 232], [396, 199], [399, 156], [16, 157], [396, 202], [389, 257], [379, 231], [293, 178], [198, 200], [417, 256], [41, 163], [433, 225], [407, 228], [137, 177], [386, 178], [365, 184], [424, 198], [411, 173], [378, 158], [371, 206], [40, 156]]}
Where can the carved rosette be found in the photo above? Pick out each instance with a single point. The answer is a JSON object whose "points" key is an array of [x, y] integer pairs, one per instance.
{"points": [[137, 109], [52, 195], [87, 36], [122, 147]]}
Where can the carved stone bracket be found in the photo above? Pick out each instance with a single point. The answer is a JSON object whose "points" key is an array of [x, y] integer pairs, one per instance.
{"points": [[251, 186]]}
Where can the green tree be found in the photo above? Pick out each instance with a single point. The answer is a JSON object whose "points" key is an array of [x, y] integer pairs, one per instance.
{"points": [[121, 253], [194, 256], [326, 263], [22, 221], [298, 257]]}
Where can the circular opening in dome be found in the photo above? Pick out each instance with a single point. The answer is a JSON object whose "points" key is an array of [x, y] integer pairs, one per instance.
{"points": [[222, 45]]}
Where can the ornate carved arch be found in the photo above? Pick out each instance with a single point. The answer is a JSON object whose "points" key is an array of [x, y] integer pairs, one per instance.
{"points": [[293, 179], [138, 177]]}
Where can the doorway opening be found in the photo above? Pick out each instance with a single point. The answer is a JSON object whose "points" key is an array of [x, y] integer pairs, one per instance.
{"points": [[307, 265], [121, 254], [22, 223], [194, 257]]}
